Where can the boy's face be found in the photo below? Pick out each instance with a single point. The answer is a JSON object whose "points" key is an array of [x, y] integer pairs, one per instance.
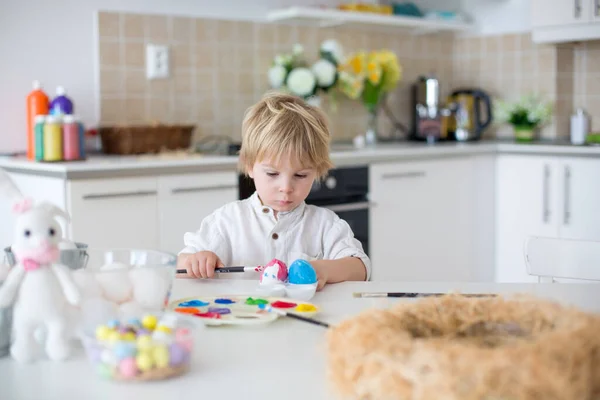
{"points": [[282, 186]]}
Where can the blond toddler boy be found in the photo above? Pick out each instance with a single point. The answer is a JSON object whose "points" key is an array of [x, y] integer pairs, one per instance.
{"points": [[285, 148]]}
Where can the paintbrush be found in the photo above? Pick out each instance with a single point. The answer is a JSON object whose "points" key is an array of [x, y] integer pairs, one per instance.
{"points": [[413, 295], [229, 269], [269, 308]]}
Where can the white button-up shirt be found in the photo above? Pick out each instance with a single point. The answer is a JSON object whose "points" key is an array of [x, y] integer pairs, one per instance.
{"points": [[246, 233]]}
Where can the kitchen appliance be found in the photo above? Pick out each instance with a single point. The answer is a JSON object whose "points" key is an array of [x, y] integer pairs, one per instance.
{"points": [[344, 191], [427, 112], [466, 109]]}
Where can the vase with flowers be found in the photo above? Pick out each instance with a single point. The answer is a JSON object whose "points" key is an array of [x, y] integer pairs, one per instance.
{"points": [[526, 115], [369, 77], [294, 74]]}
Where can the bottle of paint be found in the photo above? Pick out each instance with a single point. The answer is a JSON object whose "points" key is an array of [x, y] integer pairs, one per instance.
{"points": [[52, 139], [40, 121], [37, 104], [61, 104], [70, 138]]}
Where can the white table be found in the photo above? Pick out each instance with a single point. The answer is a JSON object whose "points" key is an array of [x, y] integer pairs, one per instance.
{"points": [[281, 360]]}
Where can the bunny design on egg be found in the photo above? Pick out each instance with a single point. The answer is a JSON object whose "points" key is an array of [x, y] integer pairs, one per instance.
{"points": [[39, 288], [274, 272]]}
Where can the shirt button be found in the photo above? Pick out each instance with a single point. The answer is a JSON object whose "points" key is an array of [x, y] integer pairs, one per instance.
{"points": [[265, 210], [275, 236]]}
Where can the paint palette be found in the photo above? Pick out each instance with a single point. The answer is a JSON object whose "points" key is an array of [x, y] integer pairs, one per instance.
{"points": [[239, 309]]}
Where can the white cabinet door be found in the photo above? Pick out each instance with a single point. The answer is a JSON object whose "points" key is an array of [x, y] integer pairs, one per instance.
{"points": [[186, 199], [527, 203], [560, 12], [120, 212], [580, 198], [421, 223]]}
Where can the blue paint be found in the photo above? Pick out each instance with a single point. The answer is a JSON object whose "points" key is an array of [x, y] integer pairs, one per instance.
{"points": [[224, 301], [193, 303], [301, 273]]}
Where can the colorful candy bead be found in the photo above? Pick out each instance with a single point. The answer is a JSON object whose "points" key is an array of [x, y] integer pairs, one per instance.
{"points": [[128, 350]]}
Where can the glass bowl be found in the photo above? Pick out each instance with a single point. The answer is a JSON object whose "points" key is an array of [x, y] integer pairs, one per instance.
{"points": [[152, 346], [122, 283]]}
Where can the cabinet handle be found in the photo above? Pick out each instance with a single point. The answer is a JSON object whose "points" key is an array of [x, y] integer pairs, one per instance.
{"points": [[597, 4], [546, 206], [577, 10], [400, 175], [363, 205], [201, 189], [567, 216], [140, 193]]}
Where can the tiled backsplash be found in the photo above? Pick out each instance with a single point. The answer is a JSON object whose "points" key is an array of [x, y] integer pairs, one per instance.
{"points": [[219, 68]]}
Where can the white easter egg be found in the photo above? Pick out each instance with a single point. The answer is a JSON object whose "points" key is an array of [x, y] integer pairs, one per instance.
{"points": [[116, 285], [151, 286]]}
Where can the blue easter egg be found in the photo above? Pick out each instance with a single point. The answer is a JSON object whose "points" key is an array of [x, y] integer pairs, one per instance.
{"points": [[301, 272]]}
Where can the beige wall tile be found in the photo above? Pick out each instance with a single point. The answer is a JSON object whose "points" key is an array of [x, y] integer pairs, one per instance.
{"points": [[135, 82], [183, 30], [592, 84], [184, 82], [133, 26], [111, 81], [159, 110], [226, 31], [244, 34], [135, 109], [110, 53], [109, 25], [206, 30], [592, 60], [181, 56], [135, 54], [157, 29], [205, 83], [206, 56], [206, 110], [112, 110]]}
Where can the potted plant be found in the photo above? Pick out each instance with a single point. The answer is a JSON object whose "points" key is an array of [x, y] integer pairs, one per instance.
{"points": [[369, 77], [292, 73], [525, 115]]}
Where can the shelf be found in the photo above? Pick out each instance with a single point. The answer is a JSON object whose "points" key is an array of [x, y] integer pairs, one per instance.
{"points": [[331, 17]]}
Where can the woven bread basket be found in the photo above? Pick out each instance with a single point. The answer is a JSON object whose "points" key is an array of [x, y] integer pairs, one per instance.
{"points": [[144, 139]]}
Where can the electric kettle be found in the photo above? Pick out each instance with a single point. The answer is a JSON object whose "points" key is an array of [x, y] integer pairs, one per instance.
{"points": [[467, 107]]}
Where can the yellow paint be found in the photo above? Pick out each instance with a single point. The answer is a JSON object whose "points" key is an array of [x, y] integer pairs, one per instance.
{"points": [[53, 141], [305, 308]]}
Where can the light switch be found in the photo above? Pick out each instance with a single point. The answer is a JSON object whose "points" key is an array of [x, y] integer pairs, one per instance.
{"points": [[157, 61]]}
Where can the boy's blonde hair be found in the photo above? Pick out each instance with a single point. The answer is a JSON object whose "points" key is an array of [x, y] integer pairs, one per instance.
{"points": [[282, 125]]}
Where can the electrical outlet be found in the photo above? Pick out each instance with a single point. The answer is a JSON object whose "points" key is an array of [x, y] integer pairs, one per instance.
{"points": [[157, 61]]}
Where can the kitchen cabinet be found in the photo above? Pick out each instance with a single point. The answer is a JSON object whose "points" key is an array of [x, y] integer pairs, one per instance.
{"points": [[186, 199], [120, 212], [542, 196], [527, 204], [579, 216], [422, 220], [565, 20], [561, 12]]}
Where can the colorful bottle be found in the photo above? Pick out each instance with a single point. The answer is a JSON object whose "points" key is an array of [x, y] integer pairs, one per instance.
{"points": [[70, 131], [39, 136], [82, 141], [53, 139], [37, 104], [61, 104]]}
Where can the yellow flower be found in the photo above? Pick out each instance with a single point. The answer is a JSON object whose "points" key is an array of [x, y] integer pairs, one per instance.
{"points": [[374, 71]]}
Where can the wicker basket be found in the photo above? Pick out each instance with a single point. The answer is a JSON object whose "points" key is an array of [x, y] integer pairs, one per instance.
{"points": [[145, 139]]}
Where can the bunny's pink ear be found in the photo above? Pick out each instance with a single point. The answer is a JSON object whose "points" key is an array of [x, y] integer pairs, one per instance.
{"points": [[22, 205]]}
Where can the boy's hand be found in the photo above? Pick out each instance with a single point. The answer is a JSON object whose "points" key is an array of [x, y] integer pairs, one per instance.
{"points": [[321, 275], [201, 264]]}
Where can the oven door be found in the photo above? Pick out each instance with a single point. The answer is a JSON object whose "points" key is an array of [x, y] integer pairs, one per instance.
{"points": [[357, 216]]}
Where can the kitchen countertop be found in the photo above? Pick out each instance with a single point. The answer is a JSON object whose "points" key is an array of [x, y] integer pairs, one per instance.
{"points": [[97, 166], [281, 360]]}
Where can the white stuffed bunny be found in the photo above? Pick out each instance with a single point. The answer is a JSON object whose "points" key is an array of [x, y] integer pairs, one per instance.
{"points": [[39, 287]]}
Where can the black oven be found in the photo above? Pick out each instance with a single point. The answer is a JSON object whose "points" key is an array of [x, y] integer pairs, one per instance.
{"points": [[344, 191]]}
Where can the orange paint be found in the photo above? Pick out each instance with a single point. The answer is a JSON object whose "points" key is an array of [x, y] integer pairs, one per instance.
{"points": [[187, 310], [37, 104]]}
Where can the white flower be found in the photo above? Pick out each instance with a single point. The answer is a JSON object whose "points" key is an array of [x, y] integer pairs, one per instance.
{"points": [[277, 76], [279, 59], [297, 49], [332, 47], [325, 72], [301, 82]]}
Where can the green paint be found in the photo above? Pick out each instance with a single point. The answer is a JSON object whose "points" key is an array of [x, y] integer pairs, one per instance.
{"points": [[255, 302]]}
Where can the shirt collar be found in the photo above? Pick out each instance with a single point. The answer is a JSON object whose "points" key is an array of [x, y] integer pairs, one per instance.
{"points": [[259, 207]]}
